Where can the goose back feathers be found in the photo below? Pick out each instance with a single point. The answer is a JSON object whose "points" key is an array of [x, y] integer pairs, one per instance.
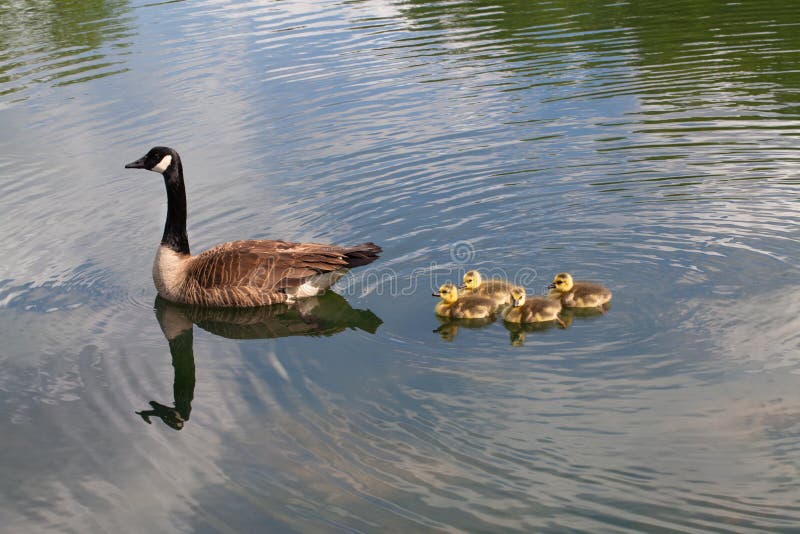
{"points": [[254, 273]]}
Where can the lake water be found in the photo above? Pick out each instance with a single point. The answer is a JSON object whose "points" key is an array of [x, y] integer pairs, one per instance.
{"points": [[652, 146]]}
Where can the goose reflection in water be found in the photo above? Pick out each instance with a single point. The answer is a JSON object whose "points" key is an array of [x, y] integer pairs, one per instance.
{"points": [[324, 315]]}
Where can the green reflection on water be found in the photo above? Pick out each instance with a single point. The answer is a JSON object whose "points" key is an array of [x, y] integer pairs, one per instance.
{"points": [[48, 41], [747, 42]]}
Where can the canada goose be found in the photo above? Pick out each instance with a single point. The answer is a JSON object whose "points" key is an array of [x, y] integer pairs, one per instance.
{"points": [[238, 273], [533, 310], [495, 289], [578, 294], [455, 307]]}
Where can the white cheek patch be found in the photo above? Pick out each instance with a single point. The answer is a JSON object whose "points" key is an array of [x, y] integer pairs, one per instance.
{"points": [[163, 164]]}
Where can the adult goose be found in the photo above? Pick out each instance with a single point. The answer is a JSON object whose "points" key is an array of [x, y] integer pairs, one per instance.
{"points": [[238, 273]]}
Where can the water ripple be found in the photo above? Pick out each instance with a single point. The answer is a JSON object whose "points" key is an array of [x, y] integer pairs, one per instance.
{"points": [[60, 45], [544, 137]]}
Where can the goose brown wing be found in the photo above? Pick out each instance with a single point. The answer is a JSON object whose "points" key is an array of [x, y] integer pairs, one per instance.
{"points": [[263, 265]]}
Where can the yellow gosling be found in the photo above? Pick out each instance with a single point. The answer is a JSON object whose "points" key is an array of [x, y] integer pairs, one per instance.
{"points": [[578, 294], [533, 310], [466, 307], [497, 290]]}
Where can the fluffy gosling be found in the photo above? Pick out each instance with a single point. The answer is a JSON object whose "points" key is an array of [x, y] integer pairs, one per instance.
{"points": [[578, 294], [497, 290], [533, 310], [465, 307]]}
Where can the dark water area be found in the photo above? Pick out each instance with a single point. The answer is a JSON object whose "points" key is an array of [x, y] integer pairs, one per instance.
{"points": [[652, 146]]}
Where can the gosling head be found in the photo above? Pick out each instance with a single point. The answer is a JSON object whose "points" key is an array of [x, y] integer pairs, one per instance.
{"points": [[561, 283], [448, 293], [159, 159], [472, 280], [517, 296]]}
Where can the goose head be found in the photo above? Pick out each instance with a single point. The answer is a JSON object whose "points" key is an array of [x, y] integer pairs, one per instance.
{"points": [[165, 161], [472, 280], [562, 283], [517, 296], [159, 159], [448, 293]]}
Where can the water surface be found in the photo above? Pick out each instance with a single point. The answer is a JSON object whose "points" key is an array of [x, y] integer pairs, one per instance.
{"points": [[651, 146]]}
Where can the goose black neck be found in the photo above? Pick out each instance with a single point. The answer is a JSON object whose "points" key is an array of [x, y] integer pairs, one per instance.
{"points": [[182, 352], [175, 236]]}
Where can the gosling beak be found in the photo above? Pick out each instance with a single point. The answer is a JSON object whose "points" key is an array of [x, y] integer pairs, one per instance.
{"points": [[436, 294], [514, 303], [551, 286], [138, 164], [462, 287]]}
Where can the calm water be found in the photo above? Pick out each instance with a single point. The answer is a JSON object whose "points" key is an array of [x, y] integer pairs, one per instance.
{"points": [[649, 145]]}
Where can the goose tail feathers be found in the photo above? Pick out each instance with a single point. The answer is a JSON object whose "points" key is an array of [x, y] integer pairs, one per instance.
{"points": [[362, 254]]}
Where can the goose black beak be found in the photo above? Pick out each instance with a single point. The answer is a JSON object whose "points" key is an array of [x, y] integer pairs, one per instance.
{"points": [[436, 294], [462, 287], [551, 286], [138, 164]]}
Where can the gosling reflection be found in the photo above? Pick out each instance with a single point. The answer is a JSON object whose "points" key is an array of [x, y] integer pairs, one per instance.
{"points": [[586, 313], [518, 331], [324, 315], [448, 329]]}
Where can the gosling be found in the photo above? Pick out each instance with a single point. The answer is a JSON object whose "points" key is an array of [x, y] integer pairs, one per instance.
{"points": [[465, 307], [579, 294], [497, 290], [533, 310]]}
